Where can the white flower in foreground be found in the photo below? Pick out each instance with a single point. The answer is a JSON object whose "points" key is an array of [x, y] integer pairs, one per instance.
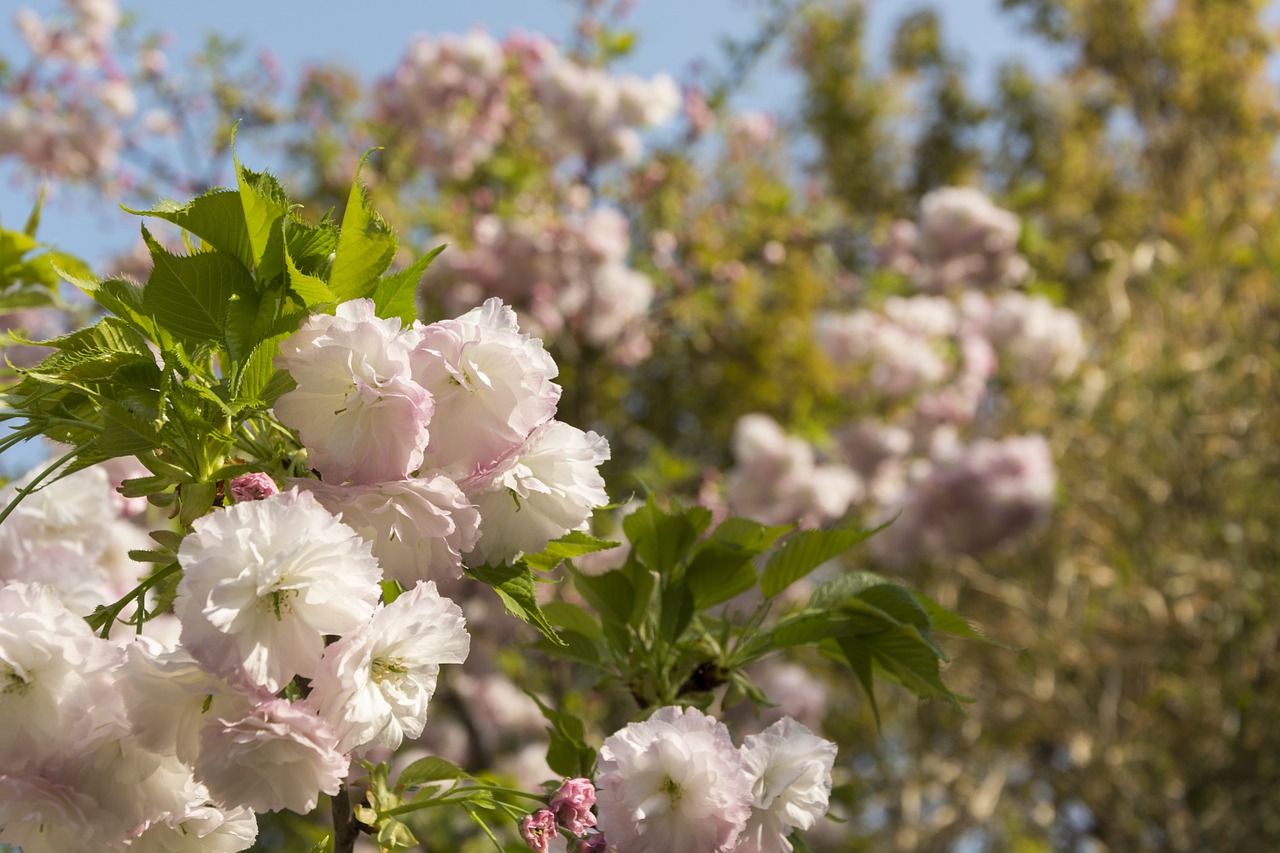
{"points": [[374, 684], [540, 493], [419, 528], [57, 683], [264, 581], [279, 756], [672, 784], [198, 827], [357, 409], [492, 386], [41, 815], [790, 771], [170, 699]]}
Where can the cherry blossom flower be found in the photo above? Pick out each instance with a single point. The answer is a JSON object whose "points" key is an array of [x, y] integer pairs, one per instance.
{"points": [[540, 493], [419, 528], [279, 756], [357, 409], [264, 581], [790, 771], [572, 804], [538, 829], [374, 684], [492, 387], [672, 784]]}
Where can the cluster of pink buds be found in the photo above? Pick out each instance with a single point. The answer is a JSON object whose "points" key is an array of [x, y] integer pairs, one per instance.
{"points": [[571, 810]]}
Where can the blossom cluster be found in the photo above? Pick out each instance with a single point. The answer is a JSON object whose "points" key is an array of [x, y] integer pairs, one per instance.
{"points": [[459, 97], [438, 442], [926, 364], [566, 274], [676, 783]]}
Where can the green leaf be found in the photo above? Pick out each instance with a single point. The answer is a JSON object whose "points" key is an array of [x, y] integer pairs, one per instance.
{"points": [[661, 540], [573, 544], [514, 585], [394, 295], [611, 594], [312, 290], [804, 551], [265, 205], [188, 295], [947, 622], [126, 434], [366, 246], [718, 571], [572, 618], [676, 613], [830, 593], [217, 218], [394, 835], [430, 769]]}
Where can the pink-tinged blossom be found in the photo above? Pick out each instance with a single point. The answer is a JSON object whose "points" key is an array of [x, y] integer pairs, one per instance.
{"points": [[170, 699], [593, 843], [57, 680], [279, 756], [790, 771], [357, 408], [200, 829], [373, 685], [419, 528], [538, 829], [264, 581], [492, 387], [549, 487], [672, 784], [42, 815], [254, 486], [572, 804]]}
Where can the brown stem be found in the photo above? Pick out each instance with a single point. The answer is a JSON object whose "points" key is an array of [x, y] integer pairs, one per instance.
{"points": [[344, 822]]}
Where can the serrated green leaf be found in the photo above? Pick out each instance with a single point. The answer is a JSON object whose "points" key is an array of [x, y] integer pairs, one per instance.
{"points": [[804, 551], [366, 247], [125, 434], [217, 218], [948, 622], [265, 205], [312, 290], [188, 295], [514, 585], [430, 769], [395, 294], [573, 544], [676, 613], [718, 571]]}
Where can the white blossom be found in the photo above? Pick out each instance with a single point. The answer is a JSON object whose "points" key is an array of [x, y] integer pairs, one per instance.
{"points": [[373, 685], [279, 756], [419, 528], [790, 771], [672, 784], [540, 493], [264, 581], [357, 409], [492, 387]]}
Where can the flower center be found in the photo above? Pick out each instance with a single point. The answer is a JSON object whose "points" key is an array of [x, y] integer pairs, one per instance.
{"points": [[671, 788], [14, 684], [279, 602], [382, 668]]}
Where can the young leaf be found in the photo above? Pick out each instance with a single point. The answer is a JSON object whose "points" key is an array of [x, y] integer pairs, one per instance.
{"points": [[366, 247], [514, 585], [573, 544], [394, 295], [188, 295], [265, 205], [611, 594], [217, 217], [661, 540]]}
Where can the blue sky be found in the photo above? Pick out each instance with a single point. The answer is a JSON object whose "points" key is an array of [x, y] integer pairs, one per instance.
{"points": [[672, 35]]}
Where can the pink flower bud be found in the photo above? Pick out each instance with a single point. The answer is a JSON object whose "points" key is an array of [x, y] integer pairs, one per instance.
{"points": [[572, 805], [538, 829], [253, 487]]}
